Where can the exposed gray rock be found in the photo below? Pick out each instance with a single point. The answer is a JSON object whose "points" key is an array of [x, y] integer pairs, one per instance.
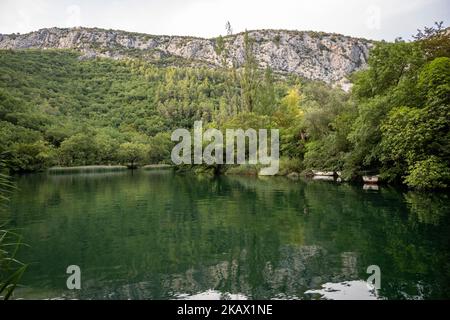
{"points": [[316, 56]]}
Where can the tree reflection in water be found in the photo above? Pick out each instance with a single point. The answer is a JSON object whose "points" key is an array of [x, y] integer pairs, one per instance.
{"points": [[158, 235]]}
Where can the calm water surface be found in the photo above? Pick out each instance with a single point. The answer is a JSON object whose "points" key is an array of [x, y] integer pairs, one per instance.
{"points": [[159, 235]]}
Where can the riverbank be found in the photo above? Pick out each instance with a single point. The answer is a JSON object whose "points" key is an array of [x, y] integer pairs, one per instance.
{"points": [[103, 168], [290, 168]]}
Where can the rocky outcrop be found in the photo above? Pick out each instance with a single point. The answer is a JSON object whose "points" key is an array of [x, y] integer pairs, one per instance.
{"points": [[312, 55]]}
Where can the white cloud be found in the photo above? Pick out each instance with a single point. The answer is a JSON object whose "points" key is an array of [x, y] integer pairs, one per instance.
{"points": [[375, 19]]}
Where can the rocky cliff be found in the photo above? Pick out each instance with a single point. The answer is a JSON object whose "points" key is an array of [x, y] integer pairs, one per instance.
{"points": [[312, 55]]}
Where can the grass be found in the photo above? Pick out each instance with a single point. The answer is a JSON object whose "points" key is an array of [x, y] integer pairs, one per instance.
{"points": [[85, 169], [11, 269]]}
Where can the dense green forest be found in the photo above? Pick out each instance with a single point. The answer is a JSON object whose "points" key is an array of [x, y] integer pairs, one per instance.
{"points": [[58, 109]]}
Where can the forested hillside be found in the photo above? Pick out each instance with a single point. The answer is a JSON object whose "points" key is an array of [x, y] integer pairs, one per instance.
{"points": [[58, 109]]}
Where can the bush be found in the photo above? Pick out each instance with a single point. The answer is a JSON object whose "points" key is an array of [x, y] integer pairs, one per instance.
{"points": [[428, 174], [290, 165]]}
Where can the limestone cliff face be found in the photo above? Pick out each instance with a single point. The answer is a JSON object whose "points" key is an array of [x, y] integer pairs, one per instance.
{"points": [[312, 55]]}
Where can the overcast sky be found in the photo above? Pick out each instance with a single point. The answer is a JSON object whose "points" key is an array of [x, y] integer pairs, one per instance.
{"points": [[373, 19]]}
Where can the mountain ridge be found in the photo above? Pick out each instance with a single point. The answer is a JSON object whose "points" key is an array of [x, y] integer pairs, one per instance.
{"points": [[327, 57]]}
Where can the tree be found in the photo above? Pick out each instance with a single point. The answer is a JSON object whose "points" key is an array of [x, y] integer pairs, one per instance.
{"points": [[78, 150], [289, 118], [389, 82], [390, 64], [434, 81], [132, 153], [249, 76], [266, 97], [160, 148], [322, 104], [31, 156], [435, 40], [430, 173], [413, 136], [106, 147], [228, 28]]}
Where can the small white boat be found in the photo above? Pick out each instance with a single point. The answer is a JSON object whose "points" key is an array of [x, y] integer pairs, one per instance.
{"points": [[323, 173], [370, 179]]}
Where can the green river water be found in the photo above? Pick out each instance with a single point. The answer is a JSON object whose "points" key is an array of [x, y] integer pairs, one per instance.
{"points": [[161, 235]]}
